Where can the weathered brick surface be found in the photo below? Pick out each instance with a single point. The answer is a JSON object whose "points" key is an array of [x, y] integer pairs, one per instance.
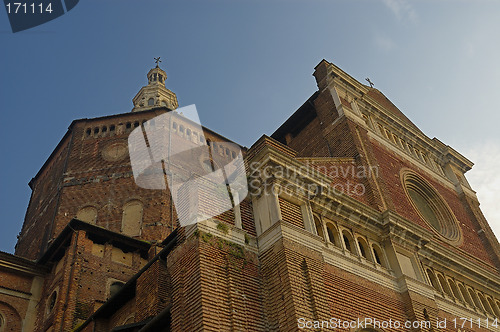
{"points": [[351, 297], [153, 291], [78, 175], [184, 267], [390, 168], [11, 315], [230, 286], [291, 212], [214, 284]]}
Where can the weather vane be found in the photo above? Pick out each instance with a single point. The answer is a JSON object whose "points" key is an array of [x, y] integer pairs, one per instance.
{"points": [[370, 82], [157, 60]]}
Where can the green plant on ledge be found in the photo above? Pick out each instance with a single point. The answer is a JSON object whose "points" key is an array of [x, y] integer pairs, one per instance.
{"points": [[223, 227]]}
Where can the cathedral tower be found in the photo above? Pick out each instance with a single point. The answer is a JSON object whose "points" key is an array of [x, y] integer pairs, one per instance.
{"points": [[155, 94]]}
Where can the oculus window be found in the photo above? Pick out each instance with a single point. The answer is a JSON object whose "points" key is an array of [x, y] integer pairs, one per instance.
{"points": [[431, 207]]}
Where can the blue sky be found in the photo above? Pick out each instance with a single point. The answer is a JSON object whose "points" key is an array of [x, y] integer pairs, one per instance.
{"points": [[247, 65]]}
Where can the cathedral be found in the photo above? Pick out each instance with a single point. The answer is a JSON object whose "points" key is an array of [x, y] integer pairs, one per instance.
{"points": [[354, 220]]}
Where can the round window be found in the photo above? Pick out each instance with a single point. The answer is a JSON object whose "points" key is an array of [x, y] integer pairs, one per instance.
{"points": [[115, 151], [52, 302], [431, 207]]}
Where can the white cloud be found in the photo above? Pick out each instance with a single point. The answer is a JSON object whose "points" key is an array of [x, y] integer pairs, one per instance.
{"points": [[402, 9], [485, 180]]}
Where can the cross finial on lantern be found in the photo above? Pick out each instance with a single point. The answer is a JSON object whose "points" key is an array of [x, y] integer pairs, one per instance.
{"points": [[157, 60]]}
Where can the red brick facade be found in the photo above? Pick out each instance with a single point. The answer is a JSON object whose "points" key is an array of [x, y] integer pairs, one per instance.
{"points": [[329, 232]]}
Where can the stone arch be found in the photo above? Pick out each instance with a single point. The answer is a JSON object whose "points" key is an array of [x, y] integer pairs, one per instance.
{"points": [[333, 234], [497, 305], [485, 304], [431, 207], [465, 295], [51, 302], [474, 297], [433, 280], [129, 320], [444, 285], [364, 249], [491, 302], [88, 214], [348, 241], [115, 287], [454, 289], [318, 224], [132, 218], [379, 255], [10, 318]]}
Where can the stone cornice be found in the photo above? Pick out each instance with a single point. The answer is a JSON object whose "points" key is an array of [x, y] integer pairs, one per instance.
{"points": [[440, 256], [338, 78], [408, 233], [19, 264], [388, 224]]}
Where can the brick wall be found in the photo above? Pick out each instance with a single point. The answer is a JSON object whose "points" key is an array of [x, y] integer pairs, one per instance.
{"points": [[390, 167], [291, 212]]}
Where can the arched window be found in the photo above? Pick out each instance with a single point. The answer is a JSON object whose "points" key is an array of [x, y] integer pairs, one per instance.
{"points": [[115, 288], [188, 132], [319, 226], [444, 285], [433, 280], [129, 320], [454, 290], [431, 207], [474, 297], [2, 322], [465, 295], [333, 234], [51, 303], [151, 102], [485, 304], [87, 214], [378, 255], [181, 129], [132, 218], [174, 126], [496, 312], [348, 242], [364, 248]]}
